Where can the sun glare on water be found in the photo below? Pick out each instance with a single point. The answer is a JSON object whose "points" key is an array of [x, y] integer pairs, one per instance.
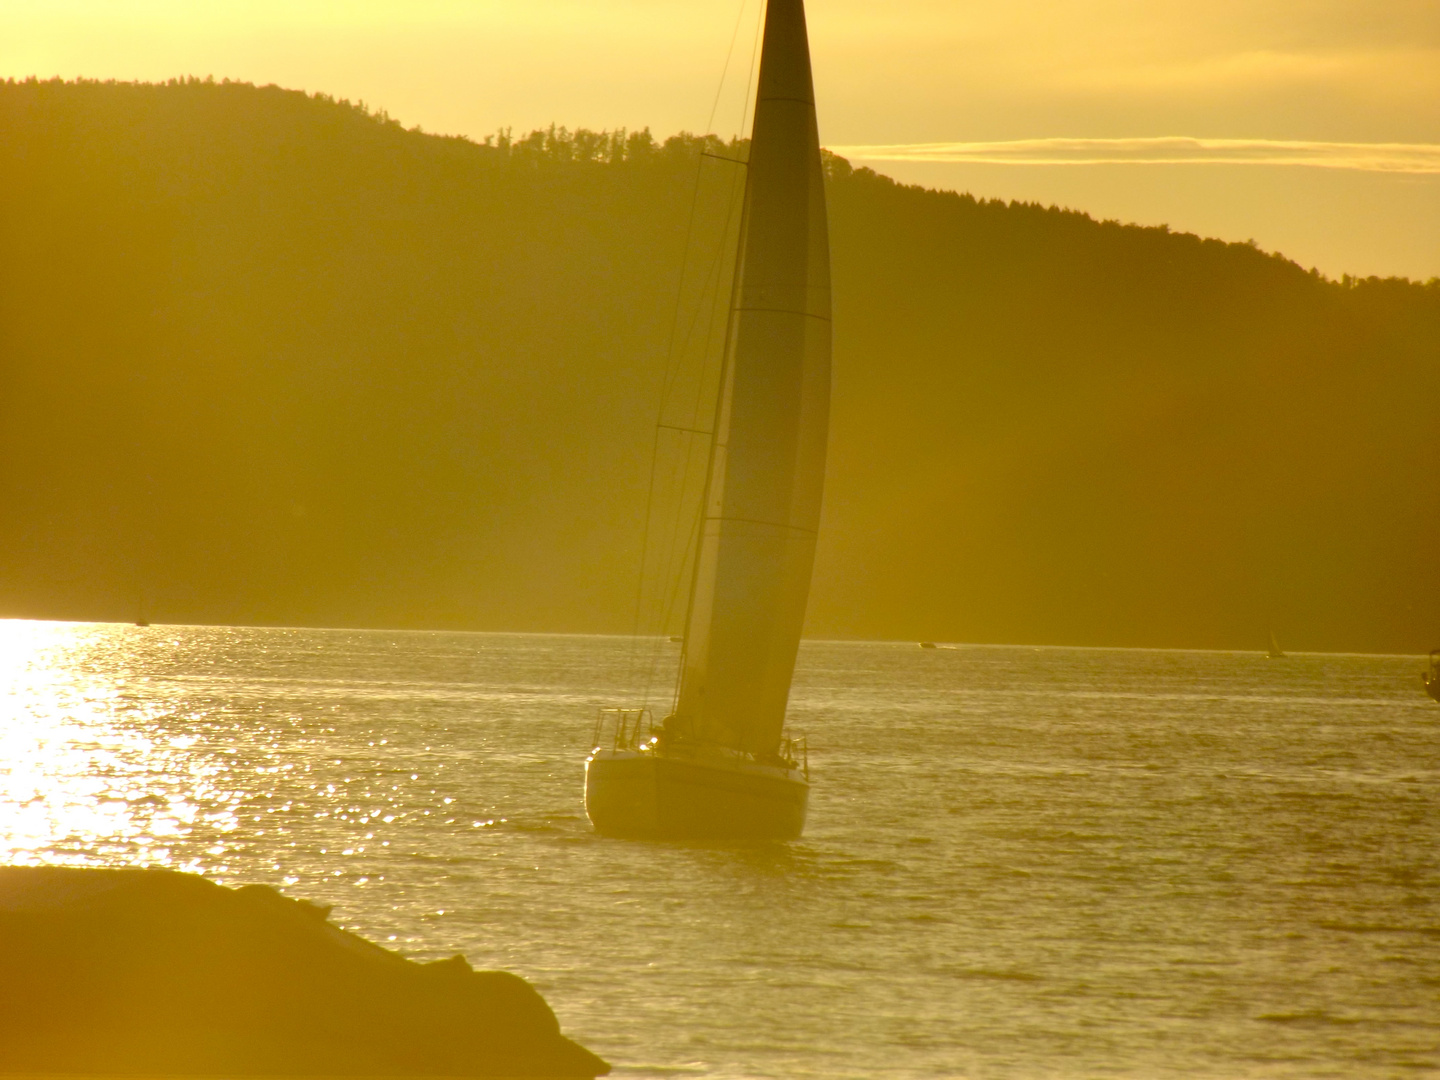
{"points": [[76, 786]]}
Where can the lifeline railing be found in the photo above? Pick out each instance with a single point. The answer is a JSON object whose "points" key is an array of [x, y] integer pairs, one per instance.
{"points": [[631, 729], [628, 728], [796, 752]]}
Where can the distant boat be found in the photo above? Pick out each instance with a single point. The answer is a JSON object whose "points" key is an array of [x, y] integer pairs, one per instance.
{"points": [[1431, 678], [720, 765], [1275, 653], [928, 645]]}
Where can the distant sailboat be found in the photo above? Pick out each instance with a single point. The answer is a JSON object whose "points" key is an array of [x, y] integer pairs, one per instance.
{"points": [[1432, 677], [720, 766], [1275, 653]]}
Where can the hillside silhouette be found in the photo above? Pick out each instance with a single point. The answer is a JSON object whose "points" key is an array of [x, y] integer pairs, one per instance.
{"points": [[270, 358]]}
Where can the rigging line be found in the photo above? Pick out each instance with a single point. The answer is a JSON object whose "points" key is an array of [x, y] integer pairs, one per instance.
{"points": [[720, 300], [671, 359], [674, 576], [631, 674], [754, 73], [666, 555], [761, 521], [673, 570], [751, 87], [713, 273], [753, 80], [672, 363], [672, 368], [689, 228], [692, 544], [725, 68], [726, 367], [742, 179], [669, 571]]}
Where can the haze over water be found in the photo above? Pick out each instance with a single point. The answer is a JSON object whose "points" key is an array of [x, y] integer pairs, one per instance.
{"points": [[1019, 863]]}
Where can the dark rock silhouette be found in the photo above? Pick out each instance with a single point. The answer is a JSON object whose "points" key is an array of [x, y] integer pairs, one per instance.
{"points": [[158, 972]]}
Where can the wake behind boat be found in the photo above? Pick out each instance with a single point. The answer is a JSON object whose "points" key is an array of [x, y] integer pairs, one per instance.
{"points": [[719, 767]]}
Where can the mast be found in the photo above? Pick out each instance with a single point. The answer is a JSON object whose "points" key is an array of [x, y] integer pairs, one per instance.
{"points": [[767, 469]]}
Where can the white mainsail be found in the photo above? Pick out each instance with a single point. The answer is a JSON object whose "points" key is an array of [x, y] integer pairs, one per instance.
{"points": [[757, 543]]}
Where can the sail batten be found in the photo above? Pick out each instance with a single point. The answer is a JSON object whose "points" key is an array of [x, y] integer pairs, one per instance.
{"points": [[757, 543], [771, 524]]}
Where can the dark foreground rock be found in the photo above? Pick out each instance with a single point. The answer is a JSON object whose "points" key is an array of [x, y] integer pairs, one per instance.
{"points": [[153, 971]]}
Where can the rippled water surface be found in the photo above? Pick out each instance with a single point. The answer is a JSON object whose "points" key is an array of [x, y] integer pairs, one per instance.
{"points": [[1019, 863]]}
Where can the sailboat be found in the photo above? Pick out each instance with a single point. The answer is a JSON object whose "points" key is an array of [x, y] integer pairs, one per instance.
{"points": [[719, 766], [1275, 652]]}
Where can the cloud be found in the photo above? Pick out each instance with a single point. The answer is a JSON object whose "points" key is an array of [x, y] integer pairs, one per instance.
{"points": [[1171, 150]]}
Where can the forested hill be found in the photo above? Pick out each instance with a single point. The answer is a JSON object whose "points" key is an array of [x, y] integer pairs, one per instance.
{"points": [[266, 358]]}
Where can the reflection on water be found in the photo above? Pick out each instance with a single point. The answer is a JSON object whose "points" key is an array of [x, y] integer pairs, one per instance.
{"points": [[79, 782], [1020, 862]]}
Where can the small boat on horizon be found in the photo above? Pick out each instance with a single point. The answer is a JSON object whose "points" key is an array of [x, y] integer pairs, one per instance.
{"points": [[1275, 652], [1431, 678]]}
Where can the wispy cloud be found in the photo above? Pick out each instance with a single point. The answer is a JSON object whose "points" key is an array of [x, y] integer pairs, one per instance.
{"points": [[1173, 150]]}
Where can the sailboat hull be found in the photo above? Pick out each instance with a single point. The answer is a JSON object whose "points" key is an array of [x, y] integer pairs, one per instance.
{"points": [[645, 795]]}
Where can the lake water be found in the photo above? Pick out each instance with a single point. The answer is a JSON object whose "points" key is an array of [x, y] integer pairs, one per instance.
{"points": [[1019, 862]]}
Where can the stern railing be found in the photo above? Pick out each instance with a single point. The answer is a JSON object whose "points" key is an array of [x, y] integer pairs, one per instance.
{"points": [[626, 729], [795, 753], [635, 729]]}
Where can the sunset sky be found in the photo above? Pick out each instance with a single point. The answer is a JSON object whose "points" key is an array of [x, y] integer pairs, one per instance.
{"points": [[1311, 126]]}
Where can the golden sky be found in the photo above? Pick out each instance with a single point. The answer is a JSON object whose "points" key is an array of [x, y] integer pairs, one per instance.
{"points": [[1235, 118]]}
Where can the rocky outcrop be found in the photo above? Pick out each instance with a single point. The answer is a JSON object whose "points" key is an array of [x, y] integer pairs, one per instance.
{"points": [[154, 971]]}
